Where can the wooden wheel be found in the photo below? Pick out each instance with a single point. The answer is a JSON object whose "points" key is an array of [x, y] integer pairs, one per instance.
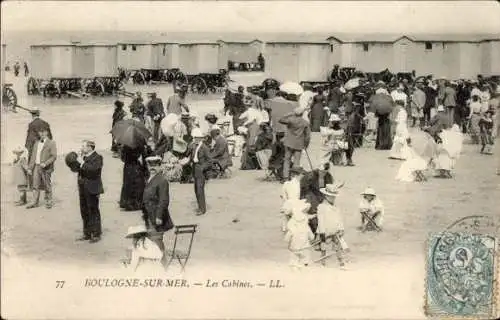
{"points": [[199, 85], [9, 98], [170, 76], [139, 78], [51, 90], [95, 88], [33, 86]]}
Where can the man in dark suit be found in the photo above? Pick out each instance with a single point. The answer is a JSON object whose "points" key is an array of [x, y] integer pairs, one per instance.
{"points": [[199, 157], [40, 167], [155, 110], [34, 127], [220, 151], [297, 138], [89, 189], [156, 199]]}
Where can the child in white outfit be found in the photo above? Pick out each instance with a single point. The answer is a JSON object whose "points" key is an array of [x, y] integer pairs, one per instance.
{"points": [[299, 235], [290, 192]]}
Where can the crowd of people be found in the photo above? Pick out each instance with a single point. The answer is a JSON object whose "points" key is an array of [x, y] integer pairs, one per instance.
{"points": [[271, 132]]}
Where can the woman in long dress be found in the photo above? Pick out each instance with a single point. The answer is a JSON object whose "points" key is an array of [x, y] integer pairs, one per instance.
{"points": [[253, 118], [399, 148], [134, 178], [317, 110], [448, 151]]}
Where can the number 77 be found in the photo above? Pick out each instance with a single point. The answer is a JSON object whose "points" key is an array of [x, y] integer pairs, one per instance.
{"points": [[60, 283]]}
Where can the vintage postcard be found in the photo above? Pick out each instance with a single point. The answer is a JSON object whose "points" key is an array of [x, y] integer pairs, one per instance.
{"points": [[250, 159]]}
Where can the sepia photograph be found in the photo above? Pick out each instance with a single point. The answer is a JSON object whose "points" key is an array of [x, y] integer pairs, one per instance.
{"points": [[250, 160]]}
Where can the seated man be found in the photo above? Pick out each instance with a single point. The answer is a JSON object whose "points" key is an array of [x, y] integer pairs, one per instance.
{"points": [[220, 150]]}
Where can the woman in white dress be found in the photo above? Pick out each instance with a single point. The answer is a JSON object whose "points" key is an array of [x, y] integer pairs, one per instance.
{"points": [[399, 148], [448, 151], [144, 255]]}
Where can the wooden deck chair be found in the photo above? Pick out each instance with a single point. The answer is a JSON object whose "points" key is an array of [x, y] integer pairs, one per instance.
{"points": [[181, 254], [371, 224]]}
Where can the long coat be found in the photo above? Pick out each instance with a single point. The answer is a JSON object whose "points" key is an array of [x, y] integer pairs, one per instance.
{"points": [[298, 133], [156, 199], [33, 128], [47, 157]]}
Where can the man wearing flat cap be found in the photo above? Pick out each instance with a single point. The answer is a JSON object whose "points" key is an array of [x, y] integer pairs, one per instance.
{"points": [[297, 138], [89, 190], [156, 113], [34, 127]]}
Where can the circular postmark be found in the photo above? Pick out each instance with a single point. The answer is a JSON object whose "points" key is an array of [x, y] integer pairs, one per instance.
{"points": [[476, 224], [461, 267]]}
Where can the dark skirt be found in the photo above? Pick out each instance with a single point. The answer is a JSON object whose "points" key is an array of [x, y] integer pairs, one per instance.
{"points": [[134, 182], [384, 138], [316, 117]]}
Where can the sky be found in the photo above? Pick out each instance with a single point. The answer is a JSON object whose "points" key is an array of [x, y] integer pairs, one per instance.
{"points": [[255, 16]]}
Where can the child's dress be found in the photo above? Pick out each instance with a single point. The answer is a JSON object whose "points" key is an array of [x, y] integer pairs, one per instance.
{"points": [[290, 193], [299, 237], [331, 228]]}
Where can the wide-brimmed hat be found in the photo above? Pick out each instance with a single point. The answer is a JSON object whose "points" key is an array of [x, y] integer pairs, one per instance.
{"points": [[242, 130], [440, 108], [334, 118], [153, 161], [332, 189], [196, 133], [369, 192], [136, 230], [215, 128]]}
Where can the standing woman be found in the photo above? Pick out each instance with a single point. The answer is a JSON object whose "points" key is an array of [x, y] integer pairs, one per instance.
{"points": [[134, 178], [316, 115], [118, 115], [400, 146], [253, 118]]}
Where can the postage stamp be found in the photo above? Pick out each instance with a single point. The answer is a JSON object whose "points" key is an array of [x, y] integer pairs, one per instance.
{"points": [[461, 275]]}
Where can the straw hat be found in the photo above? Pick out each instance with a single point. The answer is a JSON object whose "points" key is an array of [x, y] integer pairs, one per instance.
{"points": [[331, 190], [35, 111], [196, 133], [242, 130], [136, 230], [154, 160], [369, 192], [334, 118]]}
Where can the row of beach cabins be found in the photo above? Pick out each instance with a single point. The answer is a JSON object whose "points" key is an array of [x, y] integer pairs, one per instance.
{"points": [[296, 59]]}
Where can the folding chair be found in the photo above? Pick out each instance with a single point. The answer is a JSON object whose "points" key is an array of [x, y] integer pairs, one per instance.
{"points": [[420, 176], [263, 157], [371, 224], [181, 255]]}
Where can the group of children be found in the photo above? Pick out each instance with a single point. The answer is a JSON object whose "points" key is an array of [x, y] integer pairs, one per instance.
{"points": [[328, 235]]}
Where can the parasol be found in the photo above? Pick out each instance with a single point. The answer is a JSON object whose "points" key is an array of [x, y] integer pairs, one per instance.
{"points": [[167, 124], [424, 145], [292, 88], [381, 103], [352, 84], [131, 133]]}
